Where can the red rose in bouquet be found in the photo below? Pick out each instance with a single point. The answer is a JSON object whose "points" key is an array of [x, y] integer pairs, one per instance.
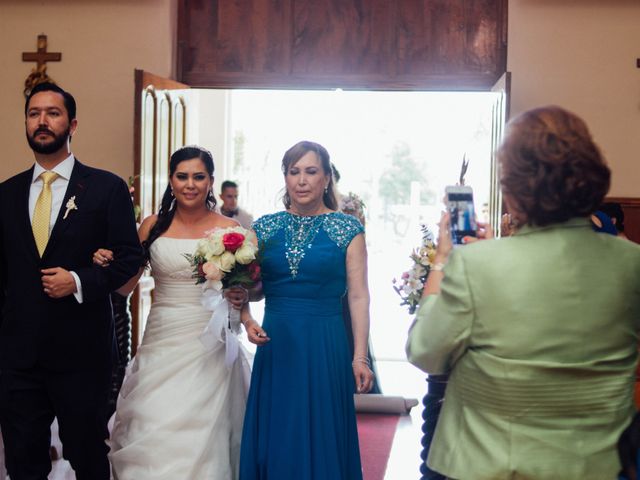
{"points": [[232, 241], [254, 271], [199, 270]]}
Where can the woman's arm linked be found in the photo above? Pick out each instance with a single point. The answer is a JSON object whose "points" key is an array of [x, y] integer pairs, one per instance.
{"points": [[103, 256]]}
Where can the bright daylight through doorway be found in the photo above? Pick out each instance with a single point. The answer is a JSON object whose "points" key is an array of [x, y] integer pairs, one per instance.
{"points": [[396, 150]]}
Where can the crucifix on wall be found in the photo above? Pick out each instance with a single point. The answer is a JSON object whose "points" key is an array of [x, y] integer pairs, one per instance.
{"points": [[39, 72]]}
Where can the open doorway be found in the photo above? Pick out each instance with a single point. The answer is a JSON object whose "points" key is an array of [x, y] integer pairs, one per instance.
{"points": [[395, 150]]}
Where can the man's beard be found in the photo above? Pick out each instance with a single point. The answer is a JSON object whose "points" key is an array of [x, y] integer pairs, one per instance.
{"points": [[50, 147]]}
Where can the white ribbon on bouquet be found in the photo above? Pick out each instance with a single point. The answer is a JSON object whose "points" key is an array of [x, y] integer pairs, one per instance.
{"points": [[223, 326]]}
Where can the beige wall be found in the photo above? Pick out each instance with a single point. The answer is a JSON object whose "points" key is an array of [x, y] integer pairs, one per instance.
{"points": [[102, 42], [581, 54]]}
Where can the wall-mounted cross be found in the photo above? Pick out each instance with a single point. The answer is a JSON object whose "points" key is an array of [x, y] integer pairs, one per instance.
{"points": [[41, 56], [39, 73]]}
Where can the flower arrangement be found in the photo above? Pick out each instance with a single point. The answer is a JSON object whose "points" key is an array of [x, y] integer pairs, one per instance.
{"points": [[411, 283], [352, 204], [132, 190], [226, 257], [71, 205]]}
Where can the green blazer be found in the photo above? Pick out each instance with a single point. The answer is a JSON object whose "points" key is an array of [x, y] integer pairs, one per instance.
{"points": [[539, 332]]}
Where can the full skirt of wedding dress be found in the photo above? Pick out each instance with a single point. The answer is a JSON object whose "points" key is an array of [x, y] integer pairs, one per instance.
{"points": [[180, 410]]}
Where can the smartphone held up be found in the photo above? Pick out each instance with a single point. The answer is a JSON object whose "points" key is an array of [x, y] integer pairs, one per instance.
{"points": [[462, 215]]}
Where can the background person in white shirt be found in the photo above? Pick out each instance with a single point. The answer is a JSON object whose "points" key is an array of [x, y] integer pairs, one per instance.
{"points": [[229, 207]]}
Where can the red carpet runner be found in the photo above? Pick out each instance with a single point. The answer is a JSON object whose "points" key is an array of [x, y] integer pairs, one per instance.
{"points": [[375, 433]]}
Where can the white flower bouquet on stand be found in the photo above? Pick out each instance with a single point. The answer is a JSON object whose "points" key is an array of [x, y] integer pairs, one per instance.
{"points": [[411, 283]]}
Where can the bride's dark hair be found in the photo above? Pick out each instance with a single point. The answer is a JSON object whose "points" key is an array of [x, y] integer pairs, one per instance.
{"points": [[168, 204]]}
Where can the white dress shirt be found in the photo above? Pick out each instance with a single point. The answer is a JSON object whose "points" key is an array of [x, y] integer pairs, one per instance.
{"points": [[58, 190], [245, 219]]}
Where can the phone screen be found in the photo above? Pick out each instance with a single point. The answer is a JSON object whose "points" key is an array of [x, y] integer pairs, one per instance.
{"points": [[462, 214]]}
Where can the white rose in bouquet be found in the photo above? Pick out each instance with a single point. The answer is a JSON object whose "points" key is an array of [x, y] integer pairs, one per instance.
{"points": [[227, 261], [246, 254]]}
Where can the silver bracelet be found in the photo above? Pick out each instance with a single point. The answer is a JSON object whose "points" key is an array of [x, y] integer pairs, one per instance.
{"points": [[364, 360]]}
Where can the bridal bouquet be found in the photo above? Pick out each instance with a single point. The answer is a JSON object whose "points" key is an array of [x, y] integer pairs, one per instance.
{"points": [[411, 282], [226, 257]]}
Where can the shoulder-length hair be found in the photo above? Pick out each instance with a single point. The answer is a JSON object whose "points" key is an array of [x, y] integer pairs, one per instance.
{"points": [[298, 151], [551, 170]]}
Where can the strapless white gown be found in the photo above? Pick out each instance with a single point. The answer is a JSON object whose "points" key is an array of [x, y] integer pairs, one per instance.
{"points": [[180, 411]]}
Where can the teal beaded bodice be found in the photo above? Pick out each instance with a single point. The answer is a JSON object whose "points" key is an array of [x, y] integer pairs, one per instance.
{"points": [[305, 255]]}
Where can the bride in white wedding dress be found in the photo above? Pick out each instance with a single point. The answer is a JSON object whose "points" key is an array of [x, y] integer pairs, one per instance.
{"points": [[180, 410]]}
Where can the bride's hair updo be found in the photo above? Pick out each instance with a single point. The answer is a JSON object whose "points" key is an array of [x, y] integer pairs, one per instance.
{"points": [[168, 204]]}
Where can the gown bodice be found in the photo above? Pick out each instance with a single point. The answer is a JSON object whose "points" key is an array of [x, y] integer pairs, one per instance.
{"points": [[304, 257], [172, 273]]}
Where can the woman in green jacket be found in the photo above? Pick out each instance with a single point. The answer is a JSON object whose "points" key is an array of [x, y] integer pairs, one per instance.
{"points": [[539, 331]]}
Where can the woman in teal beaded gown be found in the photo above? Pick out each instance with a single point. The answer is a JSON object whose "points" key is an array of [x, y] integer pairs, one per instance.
{"points": [[300, 419]]}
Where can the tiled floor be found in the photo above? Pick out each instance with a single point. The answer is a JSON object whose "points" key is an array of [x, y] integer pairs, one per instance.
{"points": [[397, 378]]}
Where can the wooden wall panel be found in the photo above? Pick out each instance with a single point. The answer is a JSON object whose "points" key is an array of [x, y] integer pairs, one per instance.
{"points": [[430, 36], [246, 36], [367, 44], [449, 36], [631, 208], [347, 37]]}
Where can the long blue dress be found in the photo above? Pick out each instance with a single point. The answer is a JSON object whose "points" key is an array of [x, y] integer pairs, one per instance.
{"points": [[300, 419]]}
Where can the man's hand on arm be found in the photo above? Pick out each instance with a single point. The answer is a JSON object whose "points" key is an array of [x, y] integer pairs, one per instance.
{"points": [[58, 282]]}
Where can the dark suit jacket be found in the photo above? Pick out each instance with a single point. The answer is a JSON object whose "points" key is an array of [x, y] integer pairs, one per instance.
{"points": [[62, 334]]}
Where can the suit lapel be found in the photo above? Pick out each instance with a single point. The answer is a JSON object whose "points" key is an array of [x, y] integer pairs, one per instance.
{"points": [[77, 188], [22, 205]]}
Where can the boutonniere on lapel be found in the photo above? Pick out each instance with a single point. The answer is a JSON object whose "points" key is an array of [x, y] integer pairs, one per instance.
{"points": [[71, 205]]}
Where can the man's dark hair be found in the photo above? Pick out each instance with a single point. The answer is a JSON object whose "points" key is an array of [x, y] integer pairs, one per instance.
{"points": [[69, 101], [228, 184]]}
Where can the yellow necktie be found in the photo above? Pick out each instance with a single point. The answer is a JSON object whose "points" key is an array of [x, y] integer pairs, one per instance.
{"points": [[42, 212]]}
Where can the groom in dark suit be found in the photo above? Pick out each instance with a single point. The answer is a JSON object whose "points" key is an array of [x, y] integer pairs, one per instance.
{"points": [[56, 329]]}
